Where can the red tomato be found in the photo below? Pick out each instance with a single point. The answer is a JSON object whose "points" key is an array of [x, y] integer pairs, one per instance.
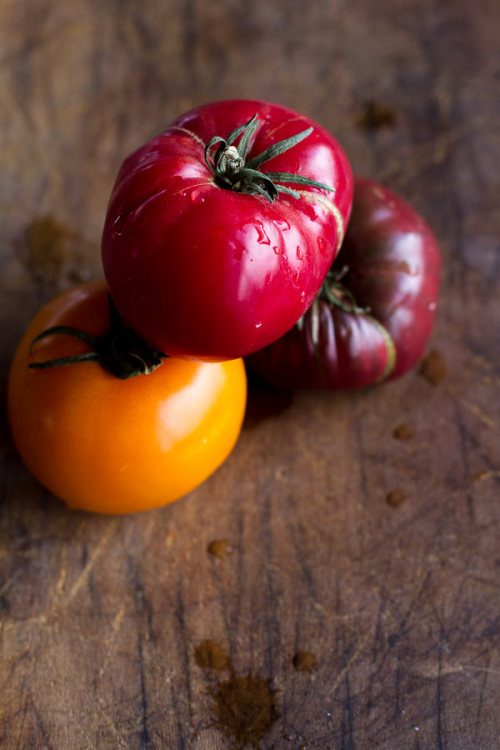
{"points": [[206, 257], [375, 312], [117, 446]]}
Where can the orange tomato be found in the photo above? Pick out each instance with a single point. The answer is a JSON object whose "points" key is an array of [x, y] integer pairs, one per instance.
{"points": [[118, 446]]}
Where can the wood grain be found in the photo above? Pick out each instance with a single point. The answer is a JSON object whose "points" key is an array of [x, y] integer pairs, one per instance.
{"points": [[396, 605]]}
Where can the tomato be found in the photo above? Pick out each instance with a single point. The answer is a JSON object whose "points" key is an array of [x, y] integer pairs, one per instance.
{"points": [[117, 446], [211, 252], [375, 312]]}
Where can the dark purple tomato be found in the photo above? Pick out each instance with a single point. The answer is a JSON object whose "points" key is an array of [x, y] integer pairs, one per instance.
{"points": [[375, 311]]}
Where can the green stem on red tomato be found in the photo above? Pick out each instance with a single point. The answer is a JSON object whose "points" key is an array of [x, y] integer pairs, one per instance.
{"points": [[232, 169]]}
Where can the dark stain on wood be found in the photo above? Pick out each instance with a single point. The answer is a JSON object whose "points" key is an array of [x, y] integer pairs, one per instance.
{"points": [[305, 661], [395, 498], [375, 115], [220, 548], [244, 709], [433, 367], [51, 252], [210, 655], [403, 432]]}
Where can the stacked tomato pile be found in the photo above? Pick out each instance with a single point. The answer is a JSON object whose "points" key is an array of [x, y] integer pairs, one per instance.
{"points": [[220, 242]]}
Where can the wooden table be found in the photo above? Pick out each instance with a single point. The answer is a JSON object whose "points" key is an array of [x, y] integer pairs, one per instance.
{"points": [[323, 617]]}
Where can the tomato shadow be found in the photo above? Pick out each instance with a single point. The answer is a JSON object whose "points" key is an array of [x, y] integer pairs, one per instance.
{"points": [[264, 401]]}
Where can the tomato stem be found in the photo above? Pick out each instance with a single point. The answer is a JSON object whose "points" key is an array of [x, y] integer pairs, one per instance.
{"points": [[232, 169], [335, 292], [120, 351]]}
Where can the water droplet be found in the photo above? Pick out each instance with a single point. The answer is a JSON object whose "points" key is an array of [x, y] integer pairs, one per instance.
{"points": [[311, 211], [262, 237], [276, 250], [281, 224], [300, 254], [258, 324], [302, 296], [116, 229], [253, 226], [196, 196]]}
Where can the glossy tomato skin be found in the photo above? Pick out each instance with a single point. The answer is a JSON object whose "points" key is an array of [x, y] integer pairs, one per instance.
{"points": [[118, 446], [330, 349], [390, 265], [203, 272]]}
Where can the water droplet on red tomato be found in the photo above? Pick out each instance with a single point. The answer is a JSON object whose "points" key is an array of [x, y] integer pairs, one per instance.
{"points": [[262, 237], [276, 250], [196, 196], [258, 324], [321, 246], [310, 210], [281, 224], [251, 227], [300, 254]]}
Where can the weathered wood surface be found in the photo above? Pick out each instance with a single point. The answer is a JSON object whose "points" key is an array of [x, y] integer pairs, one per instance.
{"points": [[326, 616]]}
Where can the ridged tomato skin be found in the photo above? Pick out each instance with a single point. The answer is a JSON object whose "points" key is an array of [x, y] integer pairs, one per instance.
{"points": [[116, 446], [201, 271], [390, 266], [329, 349]]}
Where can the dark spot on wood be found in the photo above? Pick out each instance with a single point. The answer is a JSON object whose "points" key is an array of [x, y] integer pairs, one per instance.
{"points": [[244, 708], [210, 655], [264, 401], [51, 252], [305, 661], [433, 368], [220, 548], [375, 115], [395, 498], [480, 476], [403, 432]]}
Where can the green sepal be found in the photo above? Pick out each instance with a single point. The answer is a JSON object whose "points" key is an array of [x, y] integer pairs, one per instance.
{"points": [[245, 177], [279, 148], [120, 351]]}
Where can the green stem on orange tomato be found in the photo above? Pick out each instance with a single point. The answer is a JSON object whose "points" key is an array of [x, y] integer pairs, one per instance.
{"points": [[120, 350]]}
